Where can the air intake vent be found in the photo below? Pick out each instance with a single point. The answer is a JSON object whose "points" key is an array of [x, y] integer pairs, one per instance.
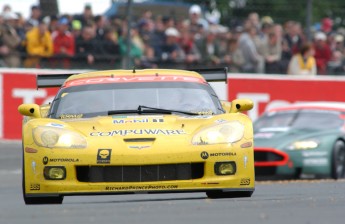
{"points": [[144, 173]]}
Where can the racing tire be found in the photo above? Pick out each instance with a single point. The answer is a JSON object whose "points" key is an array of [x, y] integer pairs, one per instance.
{"points": [[338, 160], [37, 200], [232, 194]]}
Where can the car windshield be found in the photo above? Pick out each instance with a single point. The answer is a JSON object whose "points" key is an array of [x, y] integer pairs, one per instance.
{"points": [[99, 99], [300, 119]]}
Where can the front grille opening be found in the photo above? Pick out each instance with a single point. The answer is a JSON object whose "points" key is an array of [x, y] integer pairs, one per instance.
{"points": [[143, 173], [260, 156], [139, 139]]}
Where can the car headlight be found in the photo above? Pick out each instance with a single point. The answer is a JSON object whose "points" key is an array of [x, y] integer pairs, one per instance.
{"points": [[304, 144], [219, 134], [51, 137]]}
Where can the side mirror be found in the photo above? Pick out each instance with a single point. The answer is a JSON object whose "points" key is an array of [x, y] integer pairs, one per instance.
{"points": [[240, 105], [31, 110]]}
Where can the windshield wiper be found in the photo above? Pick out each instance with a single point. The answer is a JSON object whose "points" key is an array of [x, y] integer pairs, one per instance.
{"points": [[149, 110]]}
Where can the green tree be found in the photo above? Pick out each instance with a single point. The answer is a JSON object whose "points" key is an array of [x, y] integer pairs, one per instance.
{"points": [[282, 10]]}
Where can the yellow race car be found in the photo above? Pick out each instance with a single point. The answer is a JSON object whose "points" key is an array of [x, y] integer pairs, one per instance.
{"points": [[136, 131]]}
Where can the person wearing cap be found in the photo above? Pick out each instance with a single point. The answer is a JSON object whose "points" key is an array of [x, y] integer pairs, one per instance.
{"points": [[39, 44], [323, 52], [9, 40], [171, 51], [196, 19], [63, 42], [303, 63]]}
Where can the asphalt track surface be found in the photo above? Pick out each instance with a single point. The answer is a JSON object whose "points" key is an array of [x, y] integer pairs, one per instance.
{"points": [[284, 202]]}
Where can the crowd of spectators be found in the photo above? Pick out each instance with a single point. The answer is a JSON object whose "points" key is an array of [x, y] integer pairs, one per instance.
{"points": [[258, 45]]}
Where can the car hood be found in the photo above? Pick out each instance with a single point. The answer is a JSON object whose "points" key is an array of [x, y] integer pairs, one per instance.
{"points": [[282, 137]]}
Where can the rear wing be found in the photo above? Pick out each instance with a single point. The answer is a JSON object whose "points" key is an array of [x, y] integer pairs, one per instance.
{"points": [[57, 80], [214, 74], [53, 80]]}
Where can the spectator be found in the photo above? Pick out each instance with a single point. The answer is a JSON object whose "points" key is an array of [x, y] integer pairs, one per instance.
{"points": [[336, 64], [189, 48], [272, 54], [86, 18], [157, 38], [171, 51], [100, 22], [195, 19], [293, 37], [234, 58], [254, 20], [9, 40], [38, 44], [35, 15], [253, 61], [86, 45], [76, 28], [303, 63], [136, 51], [6, 8], [339, 43], [54, 22], [323, 52], [64, 43], [209, 48], [326, 25], [110, 47], [285, 57]]}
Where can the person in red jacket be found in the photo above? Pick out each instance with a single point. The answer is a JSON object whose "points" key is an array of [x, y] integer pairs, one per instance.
{"points": [[64, 44], [323, 52]]}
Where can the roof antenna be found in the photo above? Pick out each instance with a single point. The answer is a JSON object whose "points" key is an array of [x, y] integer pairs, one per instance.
{"points": [[133, 69]]}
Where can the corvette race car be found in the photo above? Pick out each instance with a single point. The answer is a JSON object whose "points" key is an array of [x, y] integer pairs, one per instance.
{"points": [[304, 140], [136, 131]]}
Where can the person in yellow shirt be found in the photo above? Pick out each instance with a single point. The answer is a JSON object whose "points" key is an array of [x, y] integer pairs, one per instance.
{"points": [[303, 63], [39, 43]]}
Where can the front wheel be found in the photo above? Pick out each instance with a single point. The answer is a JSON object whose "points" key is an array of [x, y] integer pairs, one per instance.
{"points": [[231, 194], [338, 160]]}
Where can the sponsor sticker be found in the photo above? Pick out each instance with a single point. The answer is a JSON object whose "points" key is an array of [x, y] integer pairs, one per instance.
{"points": [[138, 78], [55, 125], [145, 187], [206, 155], [46, 160], [197, 117], [138, 132], [314, 154], [220, 121], [35, 187], [103, 156], [138, 120], [245, 181], [315, 162], [70, 116], [245, 161]]}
